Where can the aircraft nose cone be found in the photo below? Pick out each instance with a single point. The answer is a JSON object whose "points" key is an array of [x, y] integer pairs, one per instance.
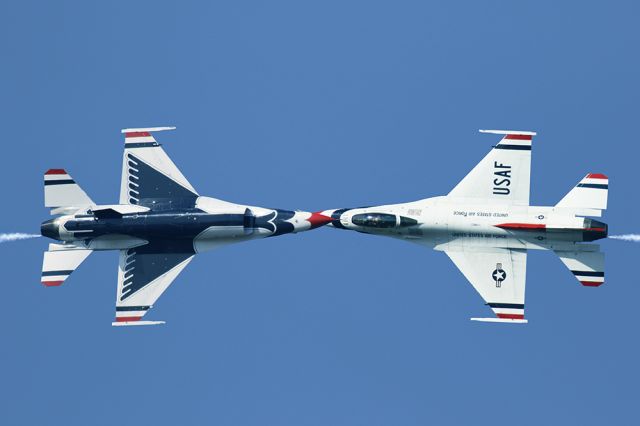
{"points": [[49, 229], [318, 219]]}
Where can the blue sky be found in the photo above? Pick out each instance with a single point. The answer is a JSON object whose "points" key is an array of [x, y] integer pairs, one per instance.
{"points": [[315, 106]]}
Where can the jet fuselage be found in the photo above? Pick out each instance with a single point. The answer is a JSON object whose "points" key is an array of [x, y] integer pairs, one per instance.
{"points": [[442, 223], [108, 229]]}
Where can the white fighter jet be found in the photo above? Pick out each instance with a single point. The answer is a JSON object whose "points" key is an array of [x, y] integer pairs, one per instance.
{"points": [[486, 225], [159, 225]]}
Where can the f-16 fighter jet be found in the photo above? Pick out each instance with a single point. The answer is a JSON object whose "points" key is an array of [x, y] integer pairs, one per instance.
{"points": [[486, 225], [160, 224]]}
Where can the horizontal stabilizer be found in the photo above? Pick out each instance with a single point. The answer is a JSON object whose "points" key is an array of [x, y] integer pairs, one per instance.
{"points": [[590, 193], [587, 267], [60, 262], [60, 190]]}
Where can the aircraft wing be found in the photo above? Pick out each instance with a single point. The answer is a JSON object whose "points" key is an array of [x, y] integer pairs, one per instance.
{"points": [[149, 177], [503, 175], [499, 275], [144, 273]]}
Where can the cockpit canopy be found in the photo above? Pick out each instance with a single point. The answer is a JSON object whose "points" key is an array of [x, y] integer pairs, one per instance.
{"points": [[382, 220]]}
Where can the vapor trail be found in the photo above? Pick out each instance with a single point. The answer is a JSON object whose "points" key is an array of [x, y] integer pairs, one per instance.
{"points": [[627, 237], [15, 236]]}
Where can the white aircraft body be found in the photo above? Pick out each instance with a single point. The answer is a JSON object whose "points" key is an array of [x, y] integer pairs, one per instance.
{"points": [[486, 225]]}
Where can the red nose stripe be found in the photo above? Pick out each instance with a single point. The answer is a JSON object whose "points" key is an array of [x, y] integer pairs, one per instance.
{"points": [[52, 283], [318, 219]]}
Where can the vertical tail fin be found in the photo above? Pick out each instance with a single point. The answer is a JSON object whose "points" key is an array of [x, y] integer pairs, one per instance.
{"points": [[62, 194], [503, 175]]}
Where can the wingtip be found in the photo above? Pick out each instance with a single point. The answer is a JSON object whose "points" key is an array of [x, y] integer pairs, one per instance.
{"points": [[596, 176], [147, 129], [56, 172]]}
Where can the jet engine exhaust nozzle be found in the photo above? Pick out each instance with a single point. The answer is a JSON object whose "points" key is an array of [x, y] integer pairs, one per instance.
{"points": [[594, 230], [50, 229]]}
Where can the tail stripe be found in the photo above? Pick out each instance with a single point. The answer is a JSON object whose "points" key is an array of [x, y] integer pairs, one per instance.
{"points": [[516, 147], [593, 185], [59, 182], [506, 305], [56, 273], [589, 273]]}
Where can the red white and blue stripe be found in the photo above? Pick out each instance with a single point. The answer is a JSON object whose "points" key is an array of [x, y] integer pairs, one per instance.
{"points": [[517, 142], [508, 310], [594, 180], [57, 177], [589, 278], [130, 313]]}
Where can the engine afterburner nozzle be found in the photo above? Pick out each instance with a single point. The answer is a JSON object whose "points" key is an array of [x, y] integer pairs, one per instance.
{"points": [[50, 229], [594, 230]]}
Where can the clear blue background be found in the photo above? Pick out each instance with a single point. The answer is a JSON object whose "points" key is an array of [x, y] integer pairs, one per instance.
{"points": [[316, 106]]}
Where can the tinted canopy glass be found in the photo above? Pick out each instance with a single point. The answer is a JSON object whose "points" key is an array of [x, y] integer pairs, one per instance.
{"points": [[374, 220]]}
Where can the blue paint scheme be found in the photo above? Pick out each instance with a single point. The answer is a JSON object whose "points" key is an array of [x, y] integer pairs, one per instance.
{"points": [[130, 145], [589, 273], [336, 218], [150, 188], [593, 185], [168, 225], [513, 147], [506, 305], [170, 234], [59, 182], [146, 263], [132, 308], [54, 273]]}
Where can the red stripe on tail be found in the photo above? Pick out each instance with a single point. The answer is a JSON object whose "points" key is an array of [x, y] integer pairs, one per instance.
{"points": [[519, 137], [596, 176]]}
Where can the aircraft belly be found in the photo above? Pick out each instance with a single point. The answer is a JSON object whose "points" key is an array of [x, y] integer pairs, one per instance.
{"points": [[114, 242], [218, 236]]}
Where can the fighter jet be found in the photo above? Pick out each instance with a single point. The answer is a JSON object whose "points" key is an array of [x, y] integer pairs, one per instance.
{"points": [[159, 225], [486, 225]]}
